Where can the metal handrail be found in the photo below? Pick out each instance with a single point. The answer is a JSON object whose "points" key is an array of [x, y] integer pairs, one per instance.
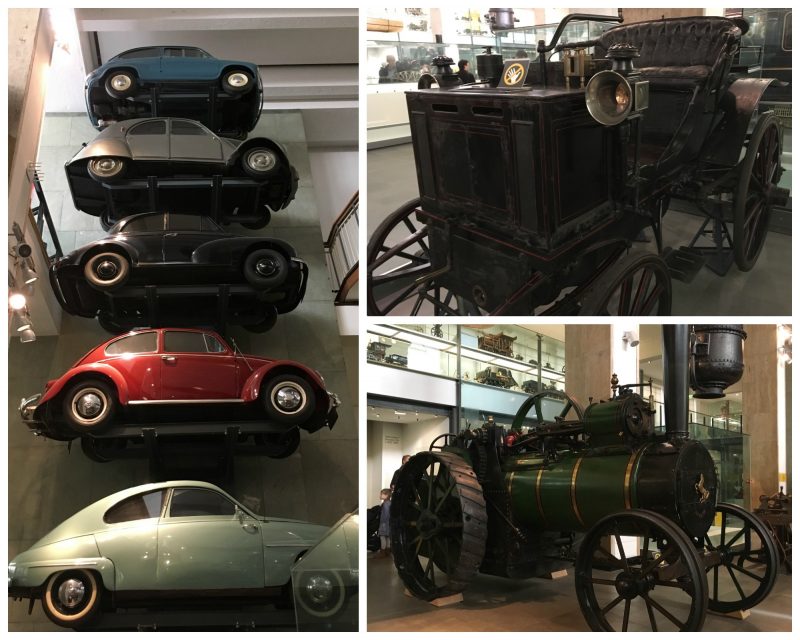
{"points": [[341, 252]]}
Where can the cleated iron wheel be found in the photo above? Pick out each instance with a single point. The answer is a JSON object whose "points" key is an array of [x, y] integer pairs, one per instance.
{"points": [[747, 564], [438, 524], [752, 203], [638, 571], [400, 278], [639, 284]]}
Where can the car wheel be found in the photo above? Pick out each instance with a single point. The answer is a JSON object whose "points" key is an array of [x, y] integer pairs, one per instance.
{"points": [[71, 598], [89, 406], [270, 318], [321, 593], [120, 84], [289, 399], [107, 271], [280, 445], [106, 168], [260, 162], [265, 268], [237, 81]]}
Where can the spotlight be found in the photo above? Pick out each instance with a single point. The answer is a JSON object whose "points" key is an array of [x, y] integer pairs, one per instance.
{"points": [[27, 336], [16, 301], [28, 274], [24, 250]]}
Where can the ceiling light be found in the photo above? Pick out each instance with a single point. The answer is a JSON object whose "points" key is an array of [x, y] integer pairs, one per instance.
{"points": [[28, 274], [27, 336]]}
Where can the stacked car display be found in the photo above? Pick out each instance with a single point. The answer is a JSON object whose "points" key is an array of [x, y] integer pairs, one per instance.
{"points": [[171, 166]]}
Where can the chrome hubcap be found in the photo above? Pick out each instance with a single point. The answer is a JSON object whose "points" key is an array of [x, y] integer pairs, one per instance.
{"points": [[89, 405], [106, 166], [238, 80], [266, 267], [121, 82], [288, 398], [107, 270], [71, 593], [319, 589], [261, 160]]}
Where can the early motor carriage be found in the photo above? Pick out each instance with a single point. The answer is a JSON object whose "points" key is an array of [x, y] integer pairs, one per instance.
{"points": [[536, 181], [636, 512]]}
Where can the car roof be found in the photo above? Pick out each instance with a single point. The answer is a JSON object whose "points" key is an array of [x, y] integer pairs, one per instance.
{"points": [[160, 46], [120, 226]]}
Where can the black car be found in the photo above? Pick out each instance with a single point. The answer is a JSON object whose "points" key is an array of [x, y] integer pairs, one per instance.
{"points": [[173, 255]]}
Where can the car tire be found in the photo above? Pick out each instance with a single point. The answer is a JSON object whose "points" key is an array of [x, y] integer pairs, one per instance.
{"points": [[107, 270], [321, 593], [281, 445], [265, 268], [270, 318], [120, 84], [260, 162], [237, 81], [71, 598], [288, 399], [106, 169], [89, 406]]}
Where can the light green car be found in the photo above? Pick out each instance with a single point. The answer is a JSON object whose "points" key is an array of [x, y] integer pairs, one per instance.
{"points": [[181, 541]]}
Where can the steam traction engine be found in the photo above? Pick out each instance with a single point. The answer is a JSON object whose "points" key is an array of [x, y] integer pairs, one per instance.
{"points": [[635, 512], [535, 182]]}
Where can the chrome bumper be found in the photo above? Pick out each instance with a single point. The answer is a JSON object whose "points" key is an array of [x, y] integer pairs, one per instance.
{"points": [[28, 406]]}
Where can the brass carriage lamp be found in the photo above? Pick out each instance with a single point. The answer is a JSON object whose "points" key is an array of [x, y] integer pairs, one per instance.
{"points": [[616, 95]]}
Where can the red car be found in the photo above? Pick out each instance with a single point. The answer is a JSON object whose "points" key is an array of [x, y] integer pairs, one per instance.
{"points": [[193, 371]]}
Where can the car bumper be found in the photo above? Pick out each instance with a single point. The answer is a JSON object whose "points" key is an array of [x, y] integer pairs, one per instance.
{"points": [[27, 410], [333, 415]]}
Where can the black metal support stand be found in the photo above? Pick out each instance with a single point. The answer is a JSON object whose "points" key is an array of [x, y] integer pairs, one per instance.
{"points": [[144, 619], [684, 263], [42, 215]]}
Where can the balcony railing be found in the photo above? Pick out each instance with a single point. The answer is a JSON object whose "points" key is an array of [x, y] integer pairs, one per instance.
{"points": [[341, 254]]}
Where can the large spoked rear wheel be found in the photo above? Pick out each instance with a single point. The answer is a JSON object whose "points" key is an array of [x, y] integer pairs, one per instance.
{"points": [[400, 277], [638, 284], [748, 560], [752, 204], [438, 523], [638, 571]]}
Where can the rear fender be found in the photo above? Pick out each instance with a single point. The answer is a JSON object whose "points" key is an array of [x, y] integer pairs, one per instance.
{"points": [[251, 143], [252, 387], [96, 370], [230, 250], [738, 105], [102, 147]]}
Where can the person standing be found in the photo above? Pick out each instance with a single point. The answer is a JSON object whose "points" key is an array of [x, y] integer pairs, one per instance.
{"points": [[384, 528], [396, 475], [464, 73]]}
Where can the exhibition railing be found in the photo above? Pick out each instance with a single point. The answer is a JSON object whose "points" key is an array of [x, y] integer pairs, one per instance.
{"points": [[341, 254]]}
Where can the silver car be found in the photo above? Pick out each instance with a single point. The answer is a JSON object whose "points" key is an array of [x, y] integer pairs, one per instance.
{"points": [[175, 164]]}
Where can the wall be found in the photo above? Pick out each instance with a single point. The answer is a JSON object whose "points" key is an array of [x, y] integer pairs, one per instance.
{"points": [[335, 173], [417, 436], [759, 407], [588, 349]]}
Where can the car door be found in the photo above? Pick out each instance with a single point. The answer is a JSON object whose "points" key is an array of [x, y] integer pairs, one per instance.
{"points": [[130, 539], [196, 366], [146, 234], [148, 140], [183, 236], [186, 63], [136, 358], [190, 141], [205, 542]]}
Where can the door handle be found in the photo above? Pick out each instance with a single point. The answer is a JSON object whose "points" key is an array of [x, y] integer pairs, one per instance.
{"points": [[169, 359], [249, 526], [170, 235]]}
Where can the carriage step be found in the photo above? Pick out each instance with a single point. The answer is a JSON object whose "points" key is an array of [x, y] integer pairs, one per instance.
{"points": [[684, 263]]}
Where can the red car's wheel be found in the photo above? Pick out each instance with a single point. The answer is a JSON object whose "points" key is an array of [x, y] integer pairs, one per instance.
{"points": [[289, 399], [89, 405], [72, 598]]}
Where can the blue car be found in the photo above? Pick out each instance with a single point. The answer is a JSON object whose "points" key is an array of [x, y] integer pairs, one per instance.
{"points": [[183, 82]]}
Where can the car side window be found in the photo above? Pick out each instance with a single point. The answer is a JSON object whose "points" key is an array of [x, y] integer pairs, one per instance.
{"points": [[140, 507], [212, 344], [191, 342], [153, 52], [185, 52], [138, 343], [186, 128], [182, 222], [149, 128], [148, 223], [207, 224], [199, 502]]}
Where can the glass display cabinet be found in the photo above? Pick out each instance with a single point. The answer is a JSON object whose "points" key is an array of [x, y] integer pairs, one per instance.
{"points": [[522, 41]]}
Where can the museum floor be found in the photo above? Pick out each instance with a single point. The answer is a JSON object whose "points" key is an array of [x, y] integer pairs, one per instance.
{"points": [[765, 290], [497, 604]]}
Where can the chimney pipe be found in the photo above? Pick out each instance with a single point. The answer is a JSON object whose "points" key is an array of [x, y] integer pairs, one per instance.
{"points": [[676, 380]]}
